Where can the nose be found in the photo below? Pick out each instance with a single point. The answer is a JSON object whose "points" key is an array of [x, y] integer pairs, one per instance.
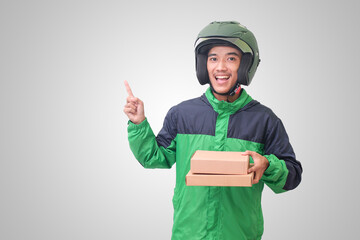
{"points": [[221, 66]]}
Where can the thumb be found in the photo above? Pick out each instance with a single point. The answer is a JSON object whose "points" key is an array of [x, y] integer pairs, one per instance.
{"points": [[252, 169], [249, 153]]}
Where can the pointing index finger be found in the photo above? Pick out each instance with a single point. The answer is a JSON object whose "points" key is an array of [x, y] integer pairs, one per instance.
{"points": [[128, 89]]}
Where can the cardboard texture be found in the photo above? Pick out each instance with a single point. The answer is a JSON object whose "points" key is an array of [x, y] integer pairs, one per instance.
{"points": [[216, 162], [215, 168], [227, 180]]}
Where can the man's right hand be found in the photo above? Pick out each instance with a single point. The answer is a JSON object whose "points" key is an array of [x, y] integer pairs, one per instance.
{"points": [[134, 107]]}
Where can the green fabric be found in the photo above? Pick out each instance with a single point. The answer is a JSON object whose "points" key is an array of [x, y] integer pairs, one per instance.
{"points": [[209, 212], [227, 108]]}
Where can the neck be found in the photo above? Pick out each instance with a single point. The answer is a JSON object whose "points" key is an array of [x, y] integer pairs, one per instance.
{"points": [[227, 98]]}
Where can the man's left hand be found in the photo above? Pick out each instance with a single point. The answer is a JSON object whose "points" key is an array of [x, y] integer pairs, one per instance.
{"points": [[260, 165]]}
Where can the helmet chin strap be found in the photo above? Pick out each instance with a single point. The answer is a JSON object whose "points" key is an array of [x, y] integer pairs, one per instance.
{"points": [[234, 90]]}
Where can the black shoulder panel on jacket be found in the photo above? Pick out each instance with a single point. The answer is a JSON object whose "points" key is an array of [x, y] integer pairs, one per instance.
{"points": [[250, 123], [194, 116]]}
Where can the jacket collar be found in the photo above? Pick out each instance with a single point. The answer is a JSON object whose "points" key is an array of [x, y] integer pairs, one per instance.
{"points": [[227, 107]]}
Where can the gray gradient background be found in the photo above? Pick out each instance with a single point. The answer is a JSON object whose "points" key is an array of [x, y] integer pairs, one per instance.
{"points": [[66, 171]]}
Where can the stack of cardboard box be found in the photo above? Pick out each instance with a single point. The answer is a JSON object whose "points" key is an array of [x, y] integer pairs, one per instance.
{"points": [[213, 168]]}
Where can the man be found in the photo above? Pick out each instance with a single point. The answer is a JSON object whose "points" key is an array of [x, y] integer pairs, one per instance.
{"points": [[225, 118]]}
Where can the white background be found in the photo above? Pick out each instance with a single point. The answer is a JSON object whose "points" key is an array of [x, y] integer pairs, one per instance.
{"points": [[66, 170]]}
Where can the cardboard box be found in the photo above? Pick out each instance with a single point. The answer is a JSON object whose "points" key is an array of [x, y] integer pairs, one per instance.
{"points": [[216, 162], [193, 179]]}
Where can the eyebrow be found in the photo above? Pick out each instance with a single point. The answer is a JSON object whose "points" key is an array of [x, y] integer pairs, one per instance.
{"points": [[230, 53]]}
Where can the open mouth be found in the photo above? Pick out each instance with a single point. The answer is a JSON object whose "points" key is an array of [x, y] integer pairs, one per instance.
{"points": [[222, 79]]}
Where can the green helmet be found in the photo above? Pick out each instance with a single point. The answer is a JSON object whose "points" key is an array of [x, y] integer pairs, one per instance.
{"points": [[227, 34]]}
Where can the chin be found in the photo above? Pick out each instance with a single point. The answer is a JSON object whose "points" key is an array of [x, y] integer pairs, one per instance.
{"points": [[221, 89]]}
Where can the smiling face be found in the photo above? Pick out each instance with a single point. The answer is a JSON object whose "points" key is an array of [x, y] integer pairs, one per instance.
{"points": [[222, 64]]}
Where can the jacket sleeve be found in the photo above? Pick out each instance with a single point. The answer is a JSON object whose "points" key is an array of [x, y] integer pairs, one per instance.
{"points": [[151, 151], [284, 171]]}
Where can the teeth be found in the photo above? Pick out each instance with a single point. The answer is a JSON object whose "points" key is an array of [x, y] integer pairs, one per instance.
{"points": [[222, 77]]}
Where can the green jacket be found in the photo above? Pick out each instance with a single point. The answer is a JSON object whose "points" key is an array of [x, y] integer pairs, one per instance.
{"points": [[205, 123]]}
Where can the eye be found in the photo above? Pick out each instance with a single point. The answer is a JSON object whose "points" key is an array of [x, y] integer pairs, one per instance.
{"points": [[212, 59], [232, 59]]}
